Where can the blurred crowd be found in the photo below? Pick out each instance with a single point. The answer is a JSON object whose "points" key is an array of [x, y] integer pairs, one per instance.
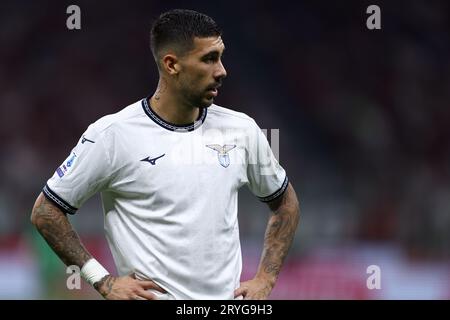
{"points": [[364, 115]]}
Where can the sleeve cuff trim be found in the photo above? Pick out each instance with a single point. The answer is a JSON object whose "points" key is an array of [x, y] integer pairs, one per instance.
{"points": [[63, 205], [277, 193]]}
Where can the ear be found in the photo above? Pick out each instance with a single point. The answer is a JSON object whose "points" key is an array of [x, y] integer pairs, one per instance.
{"points": [[171, 64]]}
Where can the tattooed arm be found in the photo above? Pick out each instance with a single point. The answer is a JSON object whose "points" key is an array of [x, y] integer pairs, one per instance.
{"points": [[277, 241], [56, 229]]}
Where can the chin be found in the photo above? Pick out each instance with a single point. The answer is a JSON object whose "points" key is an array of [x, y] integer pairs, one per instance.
{"points": [[206, 103]]}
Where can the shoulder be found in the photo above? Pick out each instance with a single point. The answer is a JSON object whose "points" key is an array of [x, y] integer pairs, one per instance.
{"points": [[110, 122], [223, 114]]}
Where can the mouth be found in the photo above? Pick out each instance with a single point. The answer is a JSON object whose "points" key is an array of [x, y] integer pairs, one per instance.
{"points": [[214, 89], [214, 92]]}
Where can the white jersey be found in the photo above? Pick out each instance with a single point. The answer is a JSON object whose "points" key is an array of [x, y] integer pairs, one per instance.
{"points": [[169, 193]]}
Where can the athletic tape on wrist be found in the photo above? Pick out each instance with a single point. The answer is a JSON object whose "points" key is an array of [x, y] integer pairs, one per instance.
{"points": [[92, 271]]}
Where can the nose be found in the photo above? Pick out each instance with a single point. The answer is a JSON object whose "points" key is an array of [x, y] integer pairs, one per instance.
{"points": [[220, 72]]}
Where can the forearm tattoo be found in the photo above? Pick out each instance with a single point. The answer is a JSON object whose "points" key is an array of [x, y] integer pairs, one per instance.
{"points": [[280, 233], [56, 229]]}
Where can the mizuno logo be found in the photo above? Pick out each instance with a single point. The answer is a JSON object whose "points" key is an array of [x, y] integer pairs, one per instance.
{"points": [[222, 153], [153, 161], [86, 139]]}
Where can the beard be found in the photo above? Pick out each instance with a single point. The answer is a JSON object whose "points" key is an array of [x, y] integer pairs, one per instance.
{"points": [[198, 99]]}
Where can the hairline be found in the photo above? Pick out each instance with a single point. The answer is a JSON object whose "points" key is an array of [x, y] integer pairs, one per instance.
{"points": [[180, 52]]}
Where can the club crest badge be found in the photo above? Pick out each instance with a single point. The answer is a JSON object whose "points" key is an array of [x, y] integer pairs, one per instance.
{"points": [[222, 153]]}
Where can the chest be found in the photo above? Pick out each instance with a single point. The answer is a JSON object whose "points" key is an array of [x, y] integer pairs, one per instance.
{"points": [[180, 163]]}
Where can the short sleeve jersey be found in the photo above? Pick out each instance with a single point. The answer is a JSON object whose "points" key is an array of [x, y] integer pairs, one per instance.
{"points": [[170, 193]]}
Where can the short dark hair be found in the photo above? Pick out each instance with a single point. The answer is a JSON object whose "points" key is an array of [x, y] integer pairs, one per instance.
{"points": [[177, 28]]}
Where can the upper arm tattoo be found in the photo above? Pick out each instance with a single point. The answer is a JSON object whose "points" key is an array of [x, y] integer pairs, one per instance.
{"points": [[287, 201]]}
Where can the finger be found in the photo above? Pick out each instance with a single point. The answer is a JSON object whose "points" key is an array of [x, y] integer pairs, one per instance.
{"points": [[254, 296], [241, 291], [249, 294], [147, 295], [147, 284]]}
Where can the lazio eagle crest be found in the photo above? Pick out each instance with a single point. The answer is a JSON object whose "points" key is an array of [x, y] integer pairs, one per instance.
{"points": [[222, 153]]}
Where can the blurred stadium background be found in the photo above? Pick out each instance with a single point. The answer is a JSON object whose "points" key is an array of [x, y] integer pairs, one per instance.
{"points": [[364, 119]]}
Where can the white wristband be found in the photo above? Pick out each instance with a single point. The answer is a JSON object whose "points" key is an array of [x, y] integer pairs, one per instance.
{"points": [[92, 271]]}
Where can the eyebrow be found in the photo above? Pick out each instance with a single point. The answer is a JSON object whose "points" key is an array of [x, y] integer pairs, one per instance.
{"points": [[212, 53]]}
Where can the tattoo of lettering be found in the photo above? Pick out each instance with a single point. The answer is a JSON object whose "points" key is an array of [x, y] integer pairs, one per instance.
{"points": [[280, 233], [57, 231]]}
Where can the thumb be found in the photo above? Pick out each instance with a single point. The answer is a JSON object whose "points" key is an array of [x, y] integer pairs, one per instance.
{"points": [[241, 291]]}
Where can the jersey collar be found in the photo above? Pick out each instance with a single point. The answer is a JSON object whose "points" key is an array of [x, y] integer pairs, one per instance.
{"points": [[171, 126]]}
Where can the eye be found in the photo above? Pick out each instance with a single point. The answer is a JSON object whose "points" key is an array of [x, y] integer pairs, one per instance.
{"points": [[212, 57], [209, 59]]}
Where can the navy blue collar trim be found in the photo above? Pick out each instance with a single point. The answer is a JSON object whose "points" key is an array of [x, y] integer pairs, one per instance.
{"points": [[170, 126]]}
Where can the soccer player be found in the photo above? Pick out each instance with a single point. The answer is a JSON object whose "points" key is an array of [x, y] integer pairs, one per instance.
{"points": [[169, 168]]}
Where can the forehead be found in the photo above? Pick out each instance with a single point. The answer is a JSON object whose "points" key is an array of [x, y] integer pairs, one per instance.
{"points": [[205, 45]]}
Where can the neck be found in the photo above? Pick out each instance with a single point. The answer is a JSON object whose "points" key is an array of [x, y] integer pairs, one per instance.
{"points": [[167, 104]]}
